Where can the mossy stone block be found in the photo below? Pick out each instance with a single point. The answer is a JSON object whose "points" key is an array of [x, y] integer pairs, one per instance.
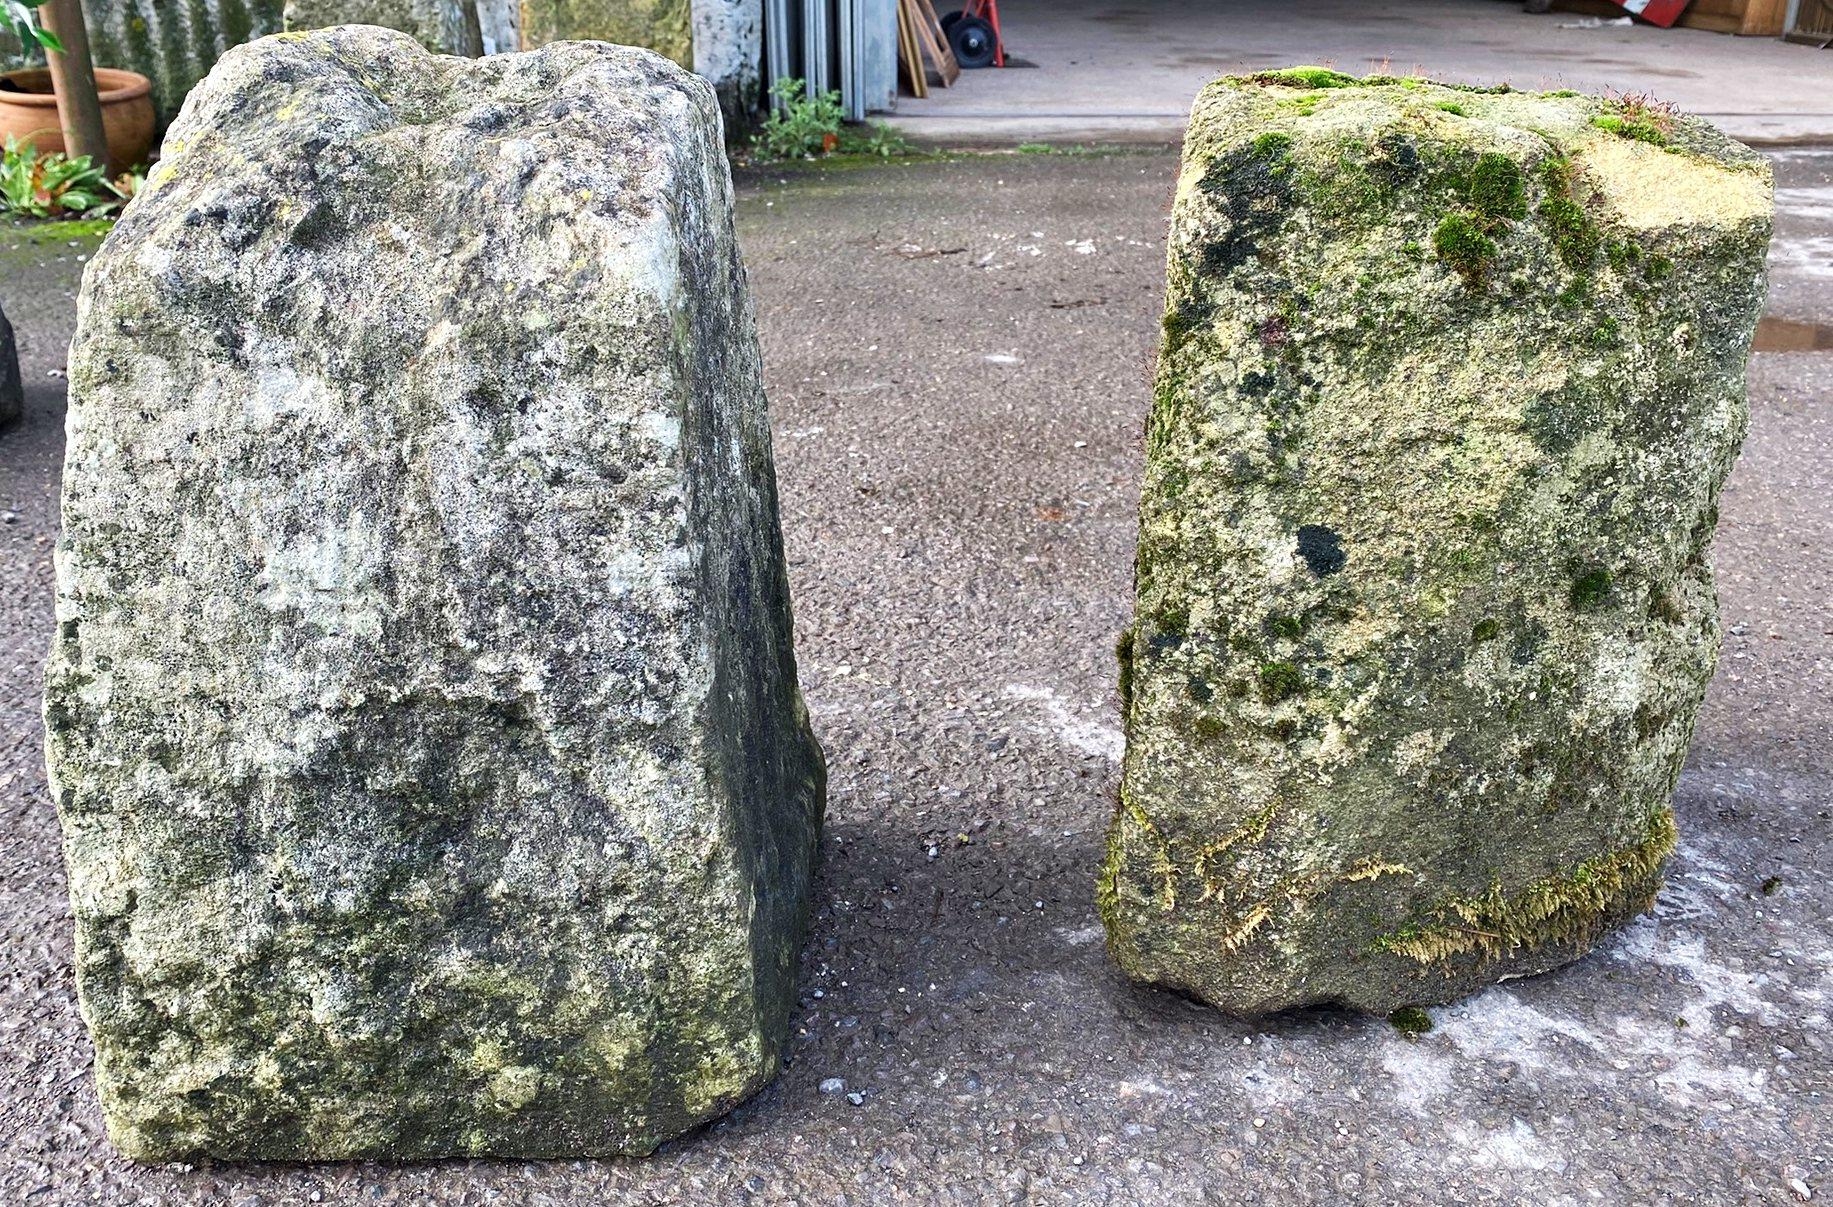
{"points": [[1449, 383], [664, 26], [442, 26], [422, 716]]}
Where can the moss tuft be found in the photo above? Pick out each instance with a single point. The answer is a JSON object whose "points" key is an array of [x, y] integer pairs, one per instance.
{"points": [[1411, 1021], [1451, 107], [1566, 907], [1591, 589], [1272, 143], [1280, 681], [1640, 129], [1496, 191], [1289, 627], [1487, 629], [1305, 77], [1463, 246], [1574, 234]]}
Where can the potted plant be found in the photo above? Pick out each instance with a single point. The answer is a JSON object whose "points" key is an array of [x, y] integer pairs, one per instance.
{"points": [[29, 113], [71, 107]]}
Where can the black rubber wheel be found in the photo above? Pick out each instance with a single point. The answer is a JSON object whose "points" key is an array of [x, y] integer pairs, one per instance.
{"points": [[972, 41], [949, 19]]}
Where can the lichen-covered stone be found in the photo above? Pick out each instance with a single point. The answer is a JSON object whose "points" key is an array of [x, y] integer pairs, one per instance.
{"points": [[12, 394], [422, 716], [1449, 382], [664, 26], [442, 26]]}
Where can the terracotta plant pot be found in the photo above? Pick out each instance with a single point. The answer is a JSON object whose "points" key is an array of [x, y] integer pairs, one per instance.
{"points": [[28, 112]]}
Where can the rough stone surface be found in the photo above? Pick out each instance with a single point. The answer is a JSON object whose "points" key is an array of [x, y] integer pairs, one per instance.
{"points": [[1448, 385], [12, 395], [500, 24], [442, 26], [664, 26], [422, 717], [728, 46]]}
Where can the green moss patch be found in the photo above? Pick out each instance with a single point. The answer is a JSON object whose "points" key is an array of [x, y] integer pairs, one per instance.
{"points": [[1411, 1021], [1591, 589], [1575, 236], [1496, 191], [1566, 907], [1280, 681], [1640, 130], [1305, 77], [1463, 247]]}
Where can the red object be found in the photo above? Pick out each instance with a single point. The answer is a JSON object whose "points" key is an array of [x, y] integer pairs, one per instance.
{"points": [[1656, 12], [988, 11]]}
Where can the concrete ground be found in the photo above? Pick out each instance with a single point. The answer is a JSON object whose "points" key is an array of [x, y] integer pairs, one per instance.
{"points": [[1127, 70], [958, 358]]}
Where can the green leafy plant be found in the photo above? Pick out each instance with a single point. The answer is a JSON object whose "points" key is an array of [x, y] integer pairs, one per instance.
{"points": [[805, 127], [800, 125], [20, 18], [54, 185]]}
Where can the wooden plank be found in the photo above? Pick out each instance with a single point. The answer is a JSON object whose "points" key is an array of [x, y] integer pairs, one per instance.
{"points": [[1813, 22], [1764, 18], [930, 25], [1718, 23], [907, 52]]}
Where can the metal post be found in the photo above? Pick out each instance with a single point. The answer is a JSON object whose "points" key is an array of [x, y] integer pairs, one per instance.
{"points": [[816, 66], [852, 100], [79, 108], [776, 47]]}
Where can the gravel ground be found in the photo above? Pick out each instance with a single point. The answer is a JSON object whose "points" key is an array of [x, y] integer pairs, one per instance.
{"points": [[959, 360]]}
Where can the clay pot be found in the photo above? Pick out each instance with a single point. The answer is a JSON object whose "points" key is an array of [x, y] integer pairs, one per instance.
{"points": [[28, 112]]}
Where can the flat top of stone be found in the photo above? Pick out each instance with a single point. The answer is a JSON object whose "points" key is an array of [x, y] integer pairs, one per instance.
{"points": [[1649, 163], [291, 96]]}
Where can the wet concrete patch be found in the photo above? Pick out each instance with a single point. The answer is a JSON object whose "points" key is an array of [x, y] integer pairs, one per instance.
{"points": [[1790, 335]]}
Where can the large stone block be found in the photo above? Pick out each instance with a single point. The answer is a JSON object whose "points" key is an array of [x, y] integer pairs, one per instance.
{"points": [[442, 26], [1449, 382], [422, 716], [12, 394]]}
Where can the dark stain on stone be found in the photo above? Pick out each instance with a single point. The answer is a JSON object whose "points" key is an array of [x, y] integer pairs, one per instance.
{"points": [[1321, 548]]}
